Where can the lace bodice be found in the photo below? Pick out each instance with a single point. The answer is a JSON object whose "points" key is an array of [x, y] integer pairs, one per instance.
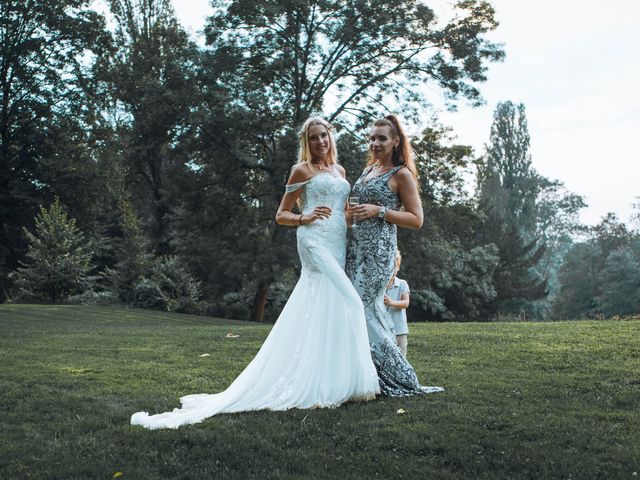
{"points": [[329, 190], [324, 189]]}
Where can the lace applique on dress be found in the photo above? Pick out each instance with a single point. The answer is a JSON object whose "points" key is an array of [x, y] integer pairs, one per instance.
{"points": [[317, 353]]}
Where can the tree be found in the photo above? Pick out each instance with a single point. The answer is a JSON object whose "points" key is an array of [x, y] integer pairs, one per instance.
{"points": [[45, 51], [508, 193], [447, 280], [610, 235], [557, 226], [635, 216], [620, 283], [150, 77], [59, 259], [510, 186], [578, 283], [307, 49], [599, 275], [285, 58], [450, 276], [132, 256], [168, 286], [442, 165]]}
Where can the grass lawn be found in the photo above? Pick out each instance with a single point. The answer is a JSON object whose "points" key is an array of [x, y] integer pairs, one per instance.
{"points": [[523, 400]]}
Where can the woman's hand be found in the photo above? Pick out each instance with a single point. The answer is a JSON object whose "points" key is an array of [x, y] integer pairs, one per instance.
{"points": [[364, 210], [318, 213]]}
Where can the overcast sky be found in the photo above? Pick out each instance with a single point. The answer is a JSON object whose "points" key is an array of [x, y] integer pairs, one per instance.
{"points": [[575, 64]]}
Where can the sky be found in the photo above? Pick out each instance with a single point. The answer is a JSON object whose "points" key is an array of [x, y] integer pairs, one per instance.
{"points": [[575, 64]]}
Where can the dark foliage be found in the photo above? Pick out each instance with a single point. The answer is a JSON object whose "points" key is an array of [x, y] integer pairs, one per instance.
{"points": [[43, 116], [171, 158], [600, 276]]}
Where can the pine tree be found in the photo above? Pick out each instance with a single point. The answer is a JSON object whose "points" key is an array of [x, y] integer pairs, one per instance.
{"points": [[511, 185], [133, 260], [59, 259], [508, 193]]}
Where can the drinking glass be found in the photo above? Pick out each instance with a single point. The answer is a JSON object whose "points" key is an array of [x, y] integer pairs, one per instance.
{"points": [[353, 201]]}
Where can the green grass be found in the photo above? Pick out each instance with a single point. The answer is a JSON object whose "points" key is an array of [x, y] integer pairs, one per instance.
{"points": [[522, 400]]}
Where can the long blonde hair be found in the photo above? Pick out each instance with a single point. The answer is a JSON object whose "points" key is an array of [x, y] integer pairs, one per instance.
{"points": [[403, 153], [304, 153]]}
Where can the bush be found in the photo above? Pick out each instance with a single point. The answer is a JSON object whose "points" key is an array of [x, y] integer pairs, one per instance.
{"points": [[168, 287], [147, 294], [236, 305]]}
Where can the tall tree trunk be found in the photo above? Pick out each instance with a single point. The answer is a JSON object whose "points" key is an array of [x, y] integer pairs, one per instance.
{"points": [[159, 229], [259, 303]]}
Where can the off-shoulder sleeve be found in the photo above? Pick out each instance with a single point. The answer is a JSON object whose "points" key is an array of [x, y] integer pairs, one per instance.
{"points": [[295, 186]]}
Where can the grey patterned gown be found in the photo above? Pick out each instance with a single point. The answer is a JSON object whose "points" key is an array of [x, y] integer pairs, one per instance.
{"points": [[370, 263]]}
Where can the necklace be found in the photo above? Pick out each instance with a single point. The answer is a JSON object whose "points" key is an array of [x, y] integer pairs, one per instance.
{"points": [[320, 166]]}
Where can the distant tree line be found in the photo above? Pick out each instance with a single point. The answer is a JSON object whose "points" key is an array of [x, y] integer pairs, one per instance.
{"points": [[138, 168]]}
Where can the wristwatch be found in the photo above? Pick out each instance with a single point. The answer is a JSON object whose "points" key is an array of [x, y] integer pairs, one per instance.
{"points": [[382, 212]]}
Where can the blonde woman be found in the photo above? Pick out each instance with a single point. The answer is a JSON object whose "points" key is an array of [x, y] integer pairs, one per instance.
{"points": [[389, 198], [317, 353]]}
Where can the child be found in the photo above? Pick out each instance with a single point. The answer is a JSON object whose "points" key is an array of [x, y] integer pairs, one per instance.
{"points": [[397, 300]]}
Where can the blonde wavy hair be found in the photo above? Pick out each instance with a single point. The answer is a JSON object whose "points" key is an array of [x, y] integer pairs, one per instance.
{"points": [[304, 153]]}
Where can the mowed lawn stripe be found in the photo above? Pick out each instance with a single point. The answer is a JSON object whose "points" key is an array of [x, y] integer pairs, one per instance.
{"points": [[522, 400]]}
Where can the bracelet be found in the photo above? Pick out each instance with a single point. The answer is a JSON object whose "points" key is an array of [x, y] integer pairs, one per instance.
{"points": [[300, 219]]}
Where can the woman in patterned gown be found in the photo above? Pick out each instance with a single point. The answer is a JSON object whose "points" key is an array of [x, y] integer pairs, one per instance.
{"points": [[388, 183], [317, 354]]}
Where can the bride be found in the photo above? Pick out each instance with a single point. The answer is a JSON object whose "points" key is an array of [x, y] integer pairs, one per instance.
{"points": [[317, 353]]}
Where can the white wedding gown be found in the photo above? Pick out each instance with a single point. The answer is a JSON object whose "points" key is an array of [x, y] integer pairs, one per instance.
{"points": [[317, 353]]}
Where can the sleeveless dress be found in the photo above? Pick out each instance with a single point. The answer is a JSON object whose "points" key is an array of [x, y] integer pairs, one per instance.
{"points": [[370, 264], [317, 353]]}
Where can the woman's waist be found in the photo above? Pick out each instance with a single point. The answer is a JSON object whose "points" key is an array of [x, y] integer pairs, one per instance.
{"points": [[336, 217], [336, 222], [327, 223], [335, 210]]}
